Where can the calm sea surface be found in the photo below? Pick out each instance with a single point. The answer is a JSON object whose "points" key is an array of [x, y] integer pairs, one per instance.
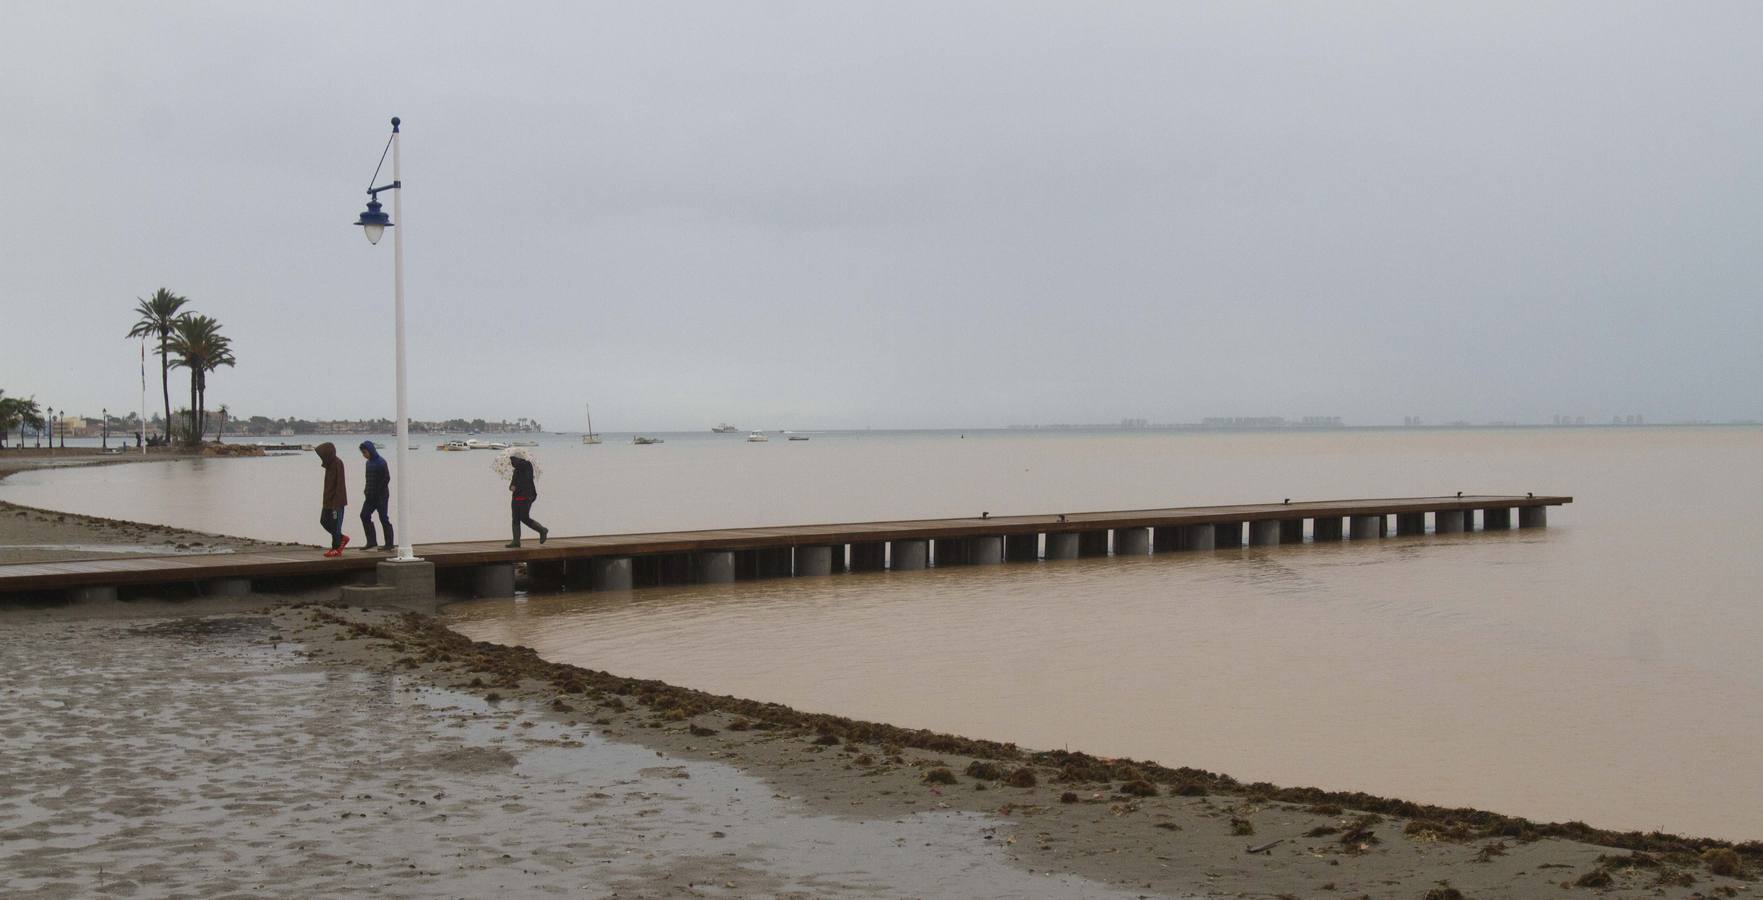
{"points": [[1604, 669]]}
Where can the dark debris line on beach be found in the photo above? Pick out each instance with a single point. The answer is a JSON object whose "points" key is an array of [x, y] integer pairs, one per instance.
{"points": [[432, 642]]}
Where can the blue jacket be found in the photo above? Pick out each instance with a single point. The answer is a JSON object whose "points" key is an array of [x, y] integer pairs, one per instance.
{"points": [[379, 475]]}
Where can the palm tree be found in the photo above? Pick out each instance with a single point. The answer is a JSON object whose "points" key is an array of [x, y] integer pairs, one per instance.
{"points": [[19, 412], [201, 348], [8, 416], [158, 316]]}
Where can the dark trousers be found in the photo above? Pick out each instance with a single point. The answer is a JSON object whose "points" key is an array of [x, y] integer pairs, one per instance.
{"points": [[331, 520], [377, 505], [523, 512]]}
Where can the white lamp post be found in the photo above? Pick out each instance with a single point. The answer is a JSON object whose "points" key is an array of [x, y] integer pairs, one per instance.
{"points": [[374, 223]]}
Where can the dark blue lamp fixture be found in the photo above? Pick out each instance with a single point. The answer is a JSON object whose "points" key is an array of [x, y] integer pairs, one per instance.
{"points": [[374, 221]]}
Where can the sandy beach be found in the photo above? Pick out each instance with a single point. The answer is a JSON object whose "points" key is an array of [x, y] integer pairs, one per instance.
{"points": [[307, 750], [29, 535]]}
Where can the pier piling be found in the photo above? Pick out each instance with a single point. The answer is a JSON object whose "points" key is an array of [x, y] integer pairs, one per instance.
{"points": [[816, 559], [1062, 545], [1363, 528], [1132, 541], [1265, 533], [494, 580], [1533, 516], [714, 567], [909, 555]]}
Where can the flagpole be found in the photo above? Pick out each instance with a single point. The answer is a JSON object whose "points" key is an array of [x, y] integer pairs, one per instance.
{"points": [[143, 431]]}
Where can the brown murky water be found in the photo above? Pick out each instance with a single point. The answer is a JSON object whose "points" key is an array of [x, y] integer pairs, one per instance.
{"points": [[1605, 669]]}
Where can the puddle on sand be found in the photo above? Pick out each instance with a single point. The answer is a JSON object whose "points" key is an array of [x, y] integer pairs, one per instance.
{"points": [[689, 809]]}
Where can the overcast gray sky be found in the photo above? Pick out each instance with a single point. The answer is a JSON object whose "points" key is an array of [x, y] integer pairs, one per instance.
{"points": [[898, 214]]}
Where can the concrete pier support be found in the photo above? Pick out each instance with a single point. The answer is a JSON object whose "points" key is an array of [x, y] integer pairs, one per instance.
{"points": [[609, 573], [1092, 543], [1265, 533], [405, 584], [869, 557], [1498, 519], [1195, 537], [494, 580], [1227, 537], [1163, 539], [906, 556], [1132, 541], [985, 550], [226, 587], [102, 593], [1410, 523], [1327, 528], [815, 560], [1022, 547], [1533, 517], [1447, 521], [714, 567], [1291, 531], [1365, 528], [1062, 545]]}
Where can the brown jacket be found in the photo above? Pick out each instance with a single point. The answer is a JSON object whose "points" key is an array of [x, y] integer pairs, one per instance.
{"points": [[335, 495]]}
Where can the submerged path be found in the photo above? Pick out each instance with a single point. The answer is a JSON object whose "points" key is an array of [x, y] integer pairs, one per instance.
{"points": [[617, 561]]}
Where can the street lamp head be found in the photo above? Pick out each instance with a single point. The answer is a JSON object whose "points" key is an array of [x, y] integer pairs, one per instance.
{"points": [[373, 221]]}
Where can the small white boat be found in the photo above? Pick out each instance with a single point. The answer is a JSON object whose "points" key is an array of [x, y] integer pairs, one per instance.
{"points": [[725, 428], [757, 437], [453, 446], [798, 437], [475, 444], [639, 439]]}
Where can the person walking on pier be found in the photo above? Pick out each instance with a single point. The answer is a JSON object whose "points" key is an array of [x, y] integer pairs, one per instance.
{"points": [[336, 497], [376, 496], [520, 484]]}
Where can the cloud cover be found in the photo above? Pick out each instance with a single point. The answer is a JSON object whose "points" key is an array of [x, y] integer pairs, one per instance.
{"points": [[899, 214]]}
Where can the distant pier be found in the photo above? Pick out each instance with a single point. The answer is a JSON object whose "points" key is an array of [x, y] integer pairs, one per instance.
{"points": [[625, 561]]}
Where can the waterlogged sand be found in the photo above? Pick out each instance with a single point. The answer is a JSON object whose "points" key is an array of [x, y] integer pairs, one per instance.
{"points": [[31, 535], [313, 751]]}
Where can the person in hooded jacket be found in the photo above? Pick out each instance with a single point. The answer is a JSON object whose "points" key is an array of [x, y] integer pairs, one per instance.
{"points": [[376, 496], [336, 498], [525, 492]]}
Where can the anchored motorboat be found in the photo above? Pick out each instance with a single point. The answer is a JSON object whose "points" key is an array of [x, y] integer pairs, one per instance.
{"points": [[757, 437], [639, 439]]}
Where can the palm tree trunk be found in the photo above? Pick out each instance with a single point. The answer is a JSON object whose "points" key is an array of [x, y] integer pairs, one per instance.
{"points": [[164, 388], [193, 435]]}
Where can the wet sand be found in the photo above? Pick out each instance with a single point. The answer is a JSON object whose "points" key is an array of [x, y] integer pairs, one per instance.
{"points": [[313, 750], [31, 535]]}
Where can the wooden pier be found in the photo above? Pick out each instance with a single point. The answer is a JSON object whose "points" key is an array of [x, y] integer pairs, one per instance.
{"points": [[624, 561]]}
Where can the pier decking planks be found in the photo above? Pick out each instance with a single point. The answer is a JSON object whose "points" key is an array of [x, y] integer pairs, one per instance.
{"points": [[281, 563]]}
